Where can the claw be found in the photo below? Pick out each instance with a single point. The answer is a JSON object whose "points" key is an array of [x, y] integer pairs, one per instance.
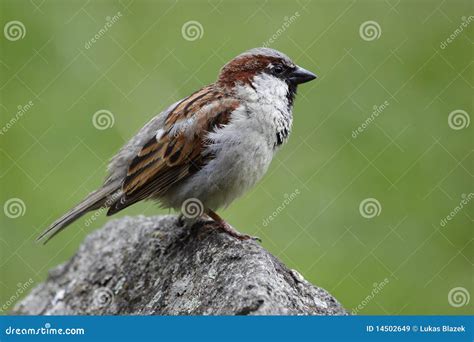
{"points": [[219, 223]]}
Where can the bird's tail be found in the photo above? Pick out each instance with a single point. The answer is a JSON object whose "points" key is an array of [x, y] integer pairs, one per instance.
{"points": [[93, 201]]}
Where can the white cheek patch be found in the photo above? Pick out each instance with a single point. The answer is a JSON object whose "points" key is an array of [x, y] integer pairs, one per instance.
{"points": [[266, 89], [270, 87]]}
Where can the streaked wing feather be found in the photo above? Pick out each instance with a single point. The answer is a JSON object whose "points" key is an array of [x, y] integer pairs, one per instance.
{"points": [[175, 156]]}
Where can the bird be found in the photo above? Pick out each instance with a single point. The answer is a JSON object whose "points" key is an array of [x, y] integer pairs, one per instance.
{"points": [[207, 149]]}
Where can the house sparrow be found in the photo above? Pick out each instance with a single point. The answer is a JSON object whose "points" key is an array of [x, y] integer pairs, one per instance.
{"points": [[210, 147]]}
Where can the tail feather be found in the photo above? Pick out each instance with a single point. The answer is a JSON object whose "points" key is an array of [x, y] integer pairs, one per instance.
{"points": [[93, 201]]}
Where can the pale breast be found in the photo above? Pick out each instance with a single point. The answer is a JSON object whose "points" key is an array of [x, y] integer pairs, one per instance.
{"points": [[241, 153]]}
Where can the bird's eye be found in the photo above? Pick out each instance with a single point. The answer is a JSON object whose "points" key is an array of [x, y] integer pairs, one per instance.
{"points": [[278, 69]]}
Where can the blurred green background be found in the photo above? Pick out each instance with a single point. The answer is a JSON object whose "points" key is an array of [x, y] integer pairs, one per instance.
{"points": [[410, 158]]}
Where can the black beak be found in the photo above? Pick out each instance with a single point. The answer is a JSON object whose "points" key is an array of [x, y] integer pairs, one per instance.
{"points": [[300, 75]]}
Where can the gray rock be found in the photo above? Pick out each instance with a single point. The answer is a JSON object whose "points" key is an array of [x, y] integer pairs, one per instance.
{"points": [[155, 266]]}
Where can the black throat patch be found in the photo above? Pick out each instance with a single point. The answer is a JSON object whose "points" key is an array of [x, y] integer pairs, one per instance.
{"points": [[290, 94], [281, 136]]}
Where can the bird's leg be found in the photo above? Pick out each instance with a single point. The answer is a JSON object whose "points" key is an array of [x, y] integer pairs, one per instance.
{"points": [[227, 228]]}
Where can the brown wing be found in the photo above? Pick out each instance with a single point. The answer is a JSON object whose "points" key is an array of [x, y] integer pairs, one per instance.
{"points": [[178, 152]]}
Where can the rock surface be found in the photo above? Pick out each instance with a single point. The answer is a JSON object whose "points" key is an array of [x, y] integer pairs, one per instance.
{"points": [[155, 266]]}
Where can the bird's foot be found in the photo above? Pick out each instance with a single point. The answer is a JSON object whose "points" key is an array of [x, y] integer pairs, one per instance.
{"points": [[219, 223], [228, 229]]}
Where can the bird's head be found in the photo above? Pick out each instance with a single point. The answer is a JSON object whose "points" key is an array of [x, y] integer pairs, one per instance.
{"points": [[263, 70]]}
